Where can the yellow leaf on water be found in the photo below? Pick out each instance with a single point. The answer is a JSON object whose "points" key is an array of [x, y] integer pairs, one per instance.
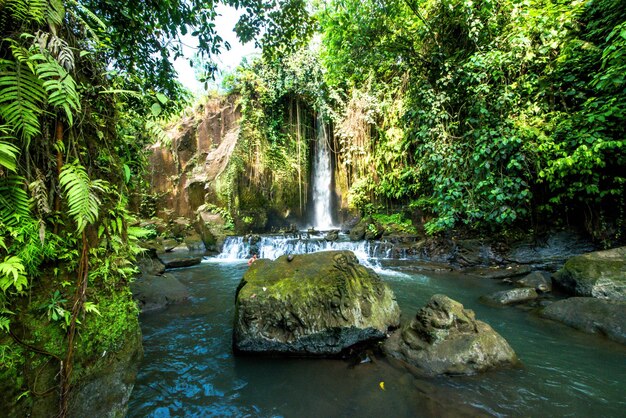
{"points": [[382, 385]]}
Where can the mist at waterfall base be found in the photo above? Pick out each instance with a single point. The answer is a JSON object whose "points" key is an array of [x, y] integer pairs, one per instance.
{"points": [[189, 368]]}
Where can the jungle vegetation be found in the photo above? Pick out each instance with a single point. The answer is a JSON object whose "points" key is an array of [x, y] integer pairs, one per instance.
{"points": [[483, 114]]}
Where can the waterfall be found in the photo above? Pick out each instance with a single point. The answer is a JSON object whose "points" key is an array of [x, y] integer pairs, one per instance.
{"points": [[272, 247], [322, 180]]}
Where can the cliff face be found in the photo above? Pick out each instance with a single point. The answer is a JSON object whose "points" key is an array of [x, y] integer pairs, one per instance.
{"points": [[184, 173], [244, 163]]}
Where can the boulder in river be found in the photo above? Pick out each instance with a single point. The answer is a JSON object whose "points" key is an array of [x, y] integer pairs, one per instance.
{"points": [[511, 296], [157, 292], [600, 274], [538, 280], [317, 304], [446, 338], [171, 263], [592, 315]]}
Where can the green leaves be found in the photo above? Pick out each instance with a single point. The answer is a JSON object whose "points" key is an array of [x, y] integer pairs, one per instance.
{"points": [[22, 96], [12, 274], [59, 86], [80, 194]]}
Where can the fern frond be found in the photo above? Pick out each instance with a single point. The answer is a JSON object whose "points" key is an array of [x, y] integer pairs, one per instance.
{"points": [[86, 18], [21, 99], [12, 274], [14, 201], [8, 156], [157, 132], [55, 14], [80, 194], [49, 43], [26, 11], [39, 194], [59, 85]]}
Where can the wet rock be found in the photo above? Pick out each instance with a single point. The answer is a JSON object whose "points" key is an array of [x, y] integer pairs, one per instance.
{"points": [[446, 338], [539, 280], [169, 244], [157, 292], [508, 297], [592, 315], [211, 227], [600, 274], [357, 232], [194, 242], [106, 390], [332, 236], [499, 272], [550, 251], [473, 252], [318, 304], [152, 245], [172, 263], [150, 265]]}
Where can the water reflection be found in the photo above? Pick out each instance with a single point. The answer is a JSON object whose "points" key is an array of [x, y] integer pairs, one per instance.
{"points": [[189, 369]]}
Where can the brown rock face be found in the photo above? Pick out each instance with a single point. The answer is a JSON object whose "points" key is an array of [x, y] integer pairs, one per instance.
{"points": [[185, 172]]}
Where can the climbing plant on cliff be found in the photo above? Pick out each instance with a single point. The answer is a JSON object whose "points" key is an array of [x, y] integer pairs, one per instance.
{"points": [[510, 110]]}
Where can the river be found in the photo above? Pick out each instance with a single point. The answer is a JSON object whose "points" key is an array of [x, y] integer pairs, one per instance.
{"points": [[189, 368]]}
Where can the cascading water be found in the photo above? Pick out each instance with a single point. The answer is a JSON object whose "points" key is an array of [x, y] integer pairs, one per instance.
{"points": [[322, 180], [272, 247]]}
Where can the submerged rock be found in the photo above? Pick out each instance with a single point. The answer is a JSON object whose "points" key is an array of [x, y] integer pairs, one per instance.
{"points": [[508, 297], [445, 338], [181, 262], [600, 274], [592, 315], [538, 280], [157, 292], [315, 305]]}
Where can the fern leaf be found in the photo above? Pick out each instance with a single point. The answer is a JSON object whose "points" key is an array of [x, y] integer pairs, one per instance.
{"points": [[12, 274], [8, 156], [14, 201], [79, 191], [39, 195], [59, 85], [21, 99], [26, 11], [58, 48]]}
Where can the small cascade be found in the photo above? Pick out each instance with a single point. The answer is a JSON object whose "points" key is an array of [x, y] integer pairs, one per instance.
{"points": [[272, 247], [322, 180]]}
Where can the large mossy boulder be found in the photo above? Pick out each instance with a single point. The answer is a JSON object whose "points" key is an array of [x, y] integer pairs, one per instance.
{"points": [[599, 274], [446, 338], [316, 304], [592, 315]]}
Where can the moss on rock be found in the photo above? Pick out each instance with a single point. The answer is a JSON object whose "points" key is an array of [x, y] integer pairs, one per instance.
{"points": [[311, 304]]}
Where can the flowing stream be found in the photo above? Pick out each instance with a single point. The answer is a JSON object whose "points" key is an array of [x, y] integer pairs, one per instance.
{"points": [[322, 180], [189, 368]]}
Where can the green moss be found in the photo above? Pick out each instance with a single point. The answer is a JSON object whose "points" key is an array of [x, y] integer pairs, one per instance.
{"points": [[395, 223]]}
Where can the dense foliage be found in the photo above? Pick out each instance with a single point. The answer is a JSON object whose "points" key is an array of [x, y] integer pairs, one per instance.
{"points": [[484, 113], [82, 86]]}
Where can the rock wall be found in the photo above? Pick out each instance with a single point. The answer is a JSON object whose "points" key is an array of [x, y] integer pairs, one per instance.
{"points": [[184, 174]]}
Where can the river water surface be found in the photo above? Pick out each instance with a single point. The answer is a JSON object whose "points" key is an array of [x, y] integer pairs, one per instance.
{"points": [[189, 368]]}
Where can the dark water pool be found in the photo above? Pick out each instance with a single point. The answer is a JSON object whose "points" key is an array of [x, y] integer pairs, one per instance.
{"points": [[189, 369]]}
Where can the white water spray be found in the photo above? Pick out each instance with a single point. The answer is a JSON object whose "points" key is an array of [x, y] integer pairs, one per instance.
{"points": [[322, 180]]}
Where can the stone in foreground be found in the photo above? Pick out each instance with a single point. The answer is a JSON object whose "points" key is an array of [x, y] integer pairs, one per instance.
{"points": [[600, 274], [445, 338], [591, 315], [317, 304]]}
